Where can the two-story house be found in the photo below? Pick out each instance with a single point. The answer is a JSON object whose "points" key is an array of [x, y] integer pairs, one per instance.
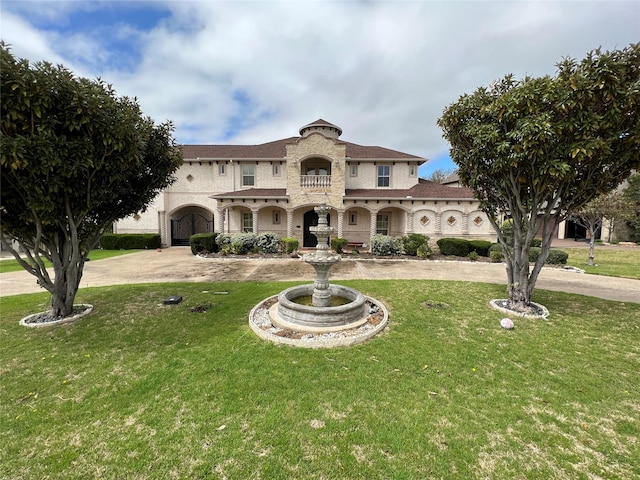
{"points": [[273, 187]]}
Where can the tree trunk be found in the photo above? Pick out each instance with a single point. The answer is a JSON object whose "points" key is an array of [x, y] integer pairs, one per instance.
{"points": [[68, 264], [592, 247]]}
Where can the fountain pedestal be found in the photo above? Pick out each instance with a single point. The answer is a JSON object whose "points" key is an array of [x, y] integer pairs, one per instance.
{"points": [[321, 260]]}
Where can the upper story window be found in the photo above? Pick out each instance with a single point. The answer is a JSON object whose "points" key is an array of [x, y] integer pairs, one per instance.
{"points": [[276, 169], [353, 170], [413, 170], [248, 174], [384, 175], [222, 169]]}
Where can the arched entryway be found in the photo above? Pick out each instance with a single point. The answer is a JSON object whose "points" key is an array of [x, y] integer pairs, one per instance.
{"points": [[189, 221], [309, 240]]}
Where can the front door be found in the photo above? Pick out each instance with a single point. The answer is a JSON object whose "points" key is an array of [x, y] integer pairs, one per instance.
{"points": [[309, 240]]}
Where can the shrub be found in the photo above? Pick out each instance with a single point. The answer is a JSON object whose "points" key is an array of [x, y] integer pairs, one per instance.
{"points": [[385, 245], [268, 242], [534, 253], [495, 247], [481, 247], [473, 256], [289, 244], [496, 256], [536, 242], [243, 243], [130, 241], [203, 242], [338, 244], [223, 239], [424, 251], [454, 246], [557, 257], [411, 243]]}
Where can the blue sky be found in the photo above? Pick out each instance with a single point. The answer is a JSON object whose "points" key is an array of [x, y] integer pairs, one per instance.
{"points": [[249, 72]]}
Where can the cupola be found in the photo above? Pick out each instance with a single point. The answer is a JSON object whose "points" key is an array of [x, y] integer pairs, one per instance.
{"points": [[321, 126]]}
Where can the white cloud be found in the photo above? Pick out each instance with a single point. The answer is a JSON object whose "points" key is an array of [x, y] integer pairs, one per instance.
{"points": [[251, 72]]}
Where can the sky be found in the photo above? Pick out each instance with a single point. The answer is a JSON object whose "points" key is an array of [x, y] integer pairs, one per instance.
{"points": [[249, 72]]}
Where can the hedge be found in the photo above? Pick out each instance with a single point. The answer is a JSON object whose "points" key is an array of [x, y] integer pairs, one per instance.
{"points": [[411, 243], [130, 241], [337, 244], [481, 247], [289, 245], [203, 242], [454, 246]]}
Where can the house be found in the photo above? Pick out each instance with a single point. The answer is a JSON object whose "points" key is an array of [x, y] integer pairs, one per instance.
{"points": [[274, 186]]}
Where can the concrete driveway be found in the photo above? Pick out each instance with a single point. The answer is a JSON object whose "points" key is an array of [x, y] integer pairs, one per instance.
{"points": [[177, 264]]}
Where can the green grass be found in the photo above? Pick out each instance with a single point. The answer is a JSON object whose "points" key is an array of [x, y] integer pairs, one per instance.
{"points": [[613, 262], [141, 390], [12, 265]]}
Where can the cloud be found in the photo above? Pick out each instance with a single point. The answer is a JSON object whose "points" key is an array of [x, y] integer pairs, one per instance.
{"points": [[252, 72]]}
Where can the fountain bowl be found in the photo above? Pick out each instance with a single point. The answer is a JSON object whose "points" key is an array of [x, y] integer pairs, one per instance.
{"points": [[291, 315]]}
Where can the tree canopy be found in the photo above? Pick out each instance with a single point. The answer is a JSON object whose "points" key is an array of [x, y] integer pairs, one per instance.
{"points": [[540, 148], [75, 157]]}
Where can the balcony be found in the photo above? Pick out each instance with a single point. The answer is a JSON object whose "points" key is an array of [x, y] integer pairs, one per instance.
{"points": [[315, 181]]}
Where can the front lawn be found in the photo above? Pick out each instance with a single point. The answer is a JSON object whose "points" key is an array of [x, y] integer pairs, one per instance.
{"points": [[142, 390], [613, 262], [12, 265]]}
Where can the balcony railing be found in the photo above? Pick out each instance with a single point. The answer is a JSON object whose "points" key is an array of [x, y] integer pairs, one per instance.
{"points": [[315, 181]]}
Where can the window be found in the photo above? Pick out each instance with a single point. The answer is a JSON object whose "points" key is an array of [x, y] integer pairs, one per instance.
{"points": [[412, 170], [384, 175], [276, 169], [382, 224], [248, 174], [353, 218], [276, 218], [222, 169], [247, 222], [353, 170]]}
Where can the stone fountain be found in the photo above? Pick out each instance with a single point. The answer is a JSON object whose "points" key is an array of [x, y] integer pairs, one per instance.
{"points": [[337, 315]]}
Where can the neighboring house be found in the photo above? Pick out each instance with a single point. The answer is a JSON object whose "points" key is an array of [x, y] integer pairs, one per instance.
{"points": [[273, 187]]}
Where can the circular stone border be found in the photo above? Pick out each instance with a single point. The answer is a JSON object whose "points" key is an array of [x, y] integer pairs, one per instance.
{"points": [[88, 308], [260, 323], [541, 308]]}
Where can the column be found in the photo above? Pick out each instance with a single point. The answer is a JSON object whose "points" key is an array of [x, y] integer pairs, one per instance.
{"points": [[340, 223], [255, 221], [373, 226], [409, 223], [465, 223], [289, 223], [438, 225], [219, 223]]}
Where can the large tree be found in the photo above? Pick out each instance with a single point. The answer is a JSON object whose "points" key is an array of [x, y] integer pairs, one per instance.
{"points": [[75, 157], [539, 149]]}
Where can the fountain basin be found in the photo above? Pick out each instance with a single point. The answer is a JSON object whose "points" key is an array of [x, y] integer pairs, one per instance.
{"points": [[295, 316]]}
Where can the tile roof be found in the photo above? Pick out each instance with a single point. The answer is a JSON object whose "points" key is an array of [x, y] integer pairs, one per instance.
{"points": [[278, 150], [255, 193], [423, 190]]}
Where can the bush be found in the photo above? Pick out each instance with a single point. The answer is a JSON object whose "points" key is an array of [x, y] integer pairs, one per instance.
{"points": [[481, 247], [536, 242], [534, 253], [338, 244], [268, 242], [243, 243], [454, 246], [473, 256], [496, 256], [385, 245], [203, 242], [424, 251], [495, 247], [411, 243], [557, 257], [130, 241], [289, 245]]}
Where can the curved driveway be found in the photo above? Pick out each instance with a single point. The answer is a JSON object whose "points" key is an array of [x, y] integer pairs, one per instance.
{"points": [[176, 264]]}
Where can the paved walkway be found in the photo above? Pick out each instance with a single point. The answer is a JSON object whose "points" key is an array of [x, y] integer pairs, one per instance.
{"points": [[176, 264]]}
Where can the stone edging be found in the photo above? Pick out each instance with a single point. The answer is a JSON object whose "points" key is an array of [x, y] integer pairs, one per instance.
{"points": [[71, 318], [543, 315]]}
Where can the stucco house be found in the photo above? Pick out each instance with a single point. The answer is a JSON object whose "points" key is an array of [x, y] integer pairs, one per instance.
{"points": [[274, 186]]}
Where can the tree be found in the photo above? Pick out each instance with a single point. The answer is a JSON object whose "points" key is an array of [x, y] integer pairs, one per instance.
{"points": [[611, 207], [539, 149], [74, 159], [439, 175], [631, 195]]}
